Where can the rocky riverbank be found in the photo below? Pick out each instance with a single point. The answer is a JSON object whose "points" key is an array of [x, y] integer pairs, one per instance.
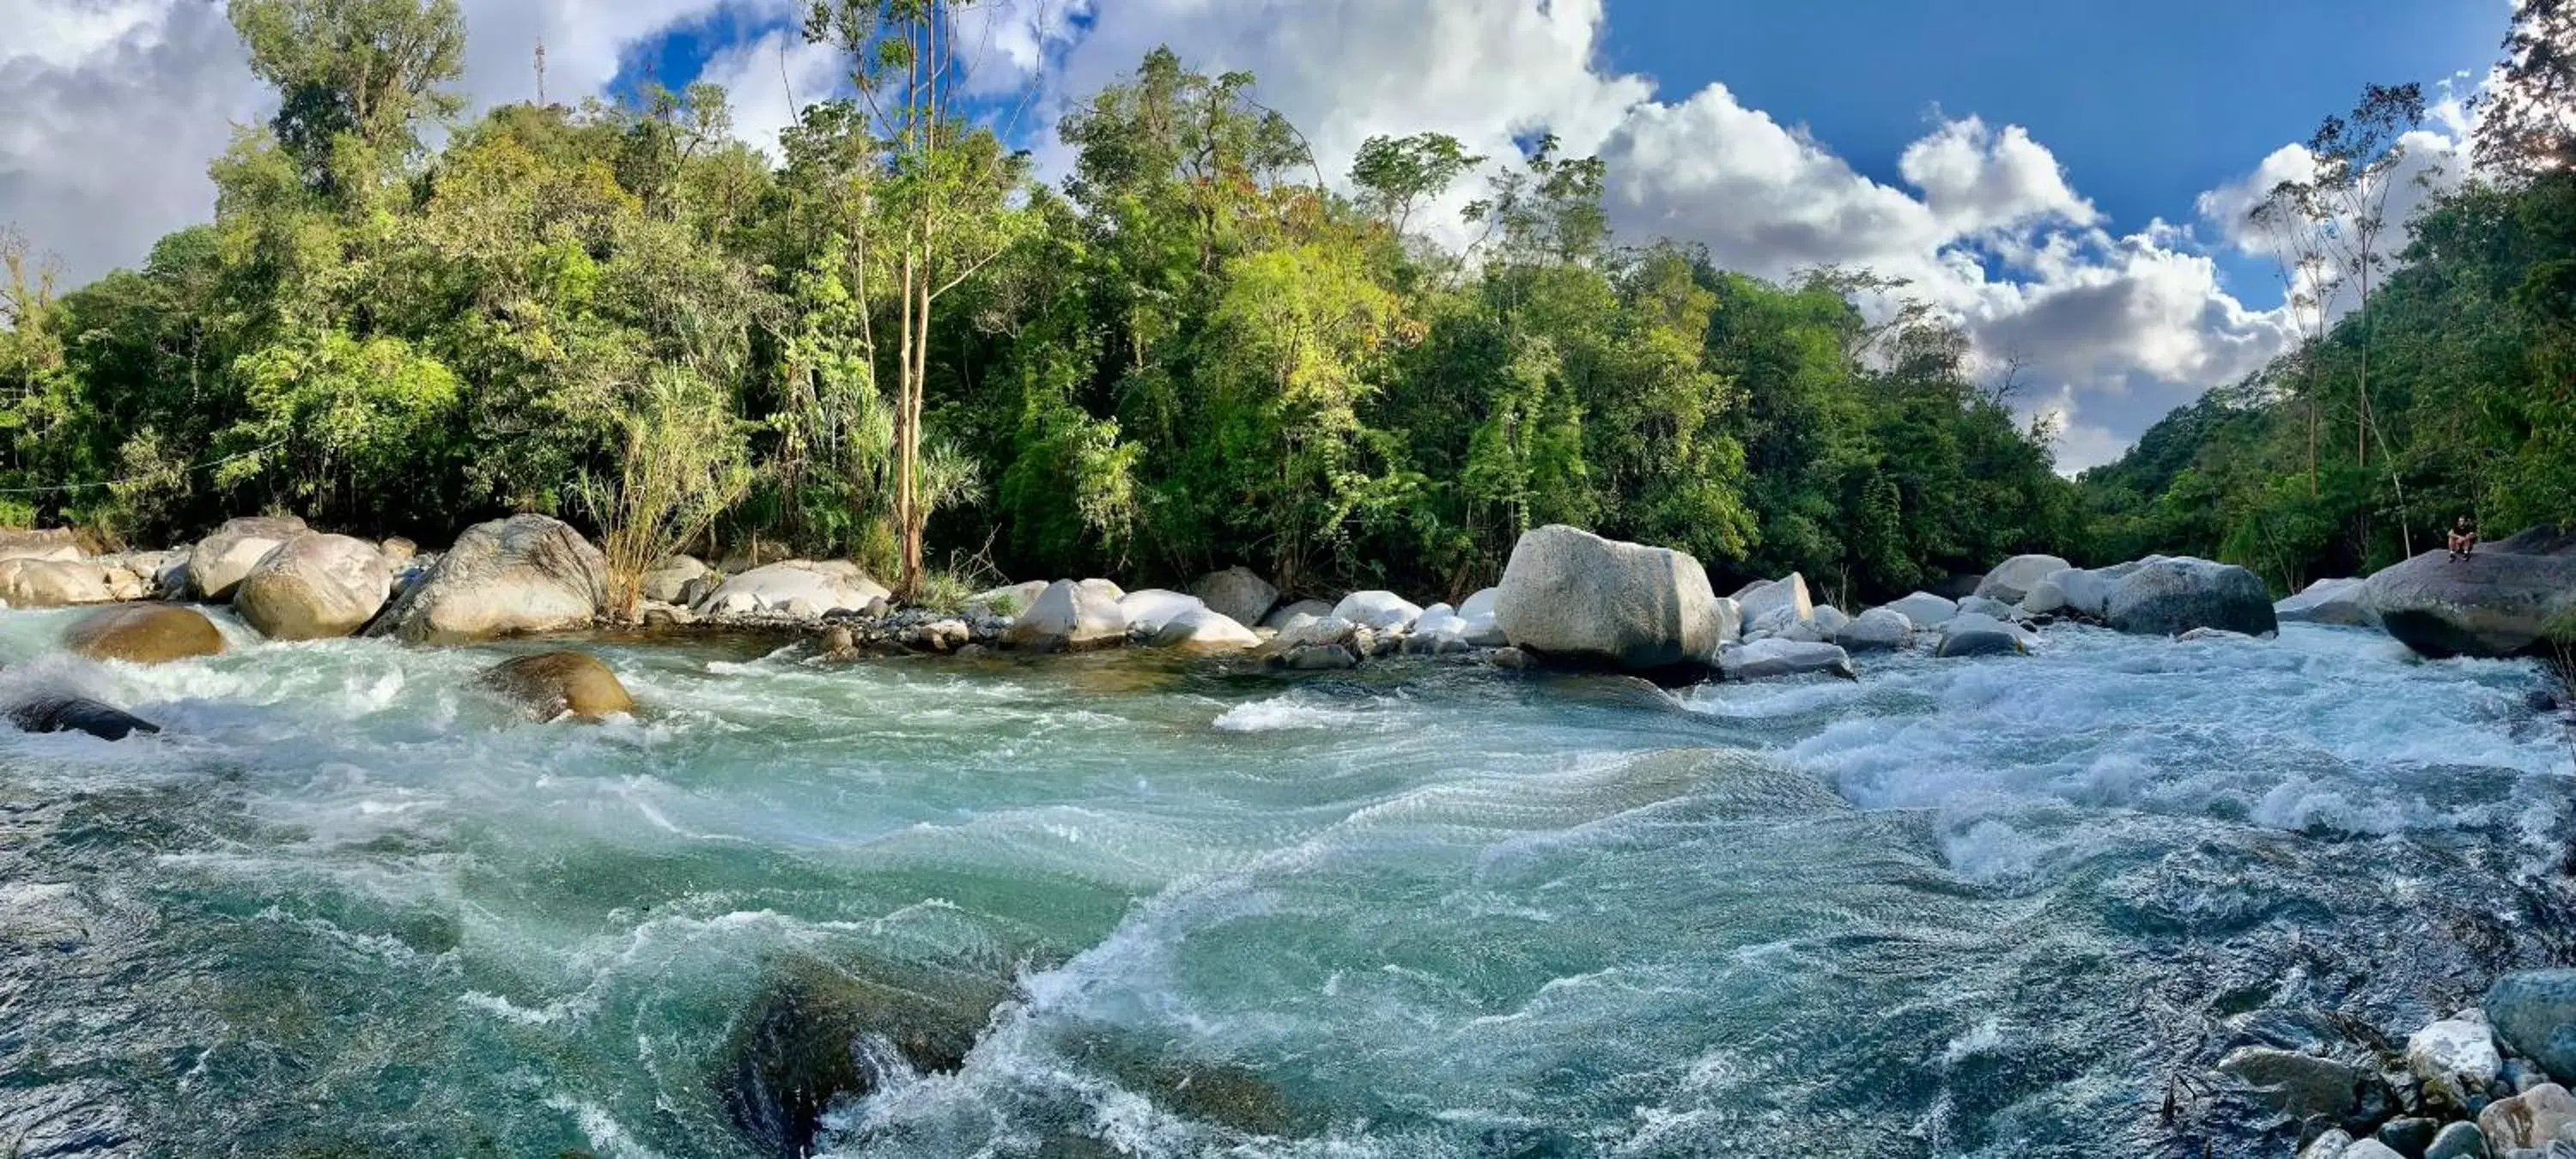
{"points": [[1567, 599]]}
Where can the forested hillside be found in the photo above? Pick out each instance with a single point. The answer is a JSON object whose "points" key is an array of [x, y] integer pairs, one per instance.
{"points": [[2446, 387], [1192, 350]]}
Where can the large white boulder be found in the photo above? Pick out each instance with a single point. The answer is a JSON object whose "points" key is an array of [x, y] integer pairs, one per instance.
{"points": [[1380, 611], [2460, 1049], [1068, 616], [314, 587], [1204, 629], [1571, 595], [2013, 578], [825, 586], [220, 561], [1767, 659], [1773, 607], [2341, 602], [1236, 593], [527, 573], [1148, 610], [1924, 610], [1480, 605], [2173, 596]]}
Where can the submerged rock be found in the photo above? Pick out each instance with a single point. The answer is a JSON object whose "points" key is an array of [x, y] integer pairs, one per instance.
{"points": [[1571, 595], [144, 634], [220, 561], [2012, 580], [1237, 594], [2507, 599], [817, 1035], [1978, 634], [1316, 658], [79, 714], [554, 684], [2173, 596], [314, 587], [2295, 1084], [2534, 1012], [1068, 616], [1769, 659], [527, 573]]}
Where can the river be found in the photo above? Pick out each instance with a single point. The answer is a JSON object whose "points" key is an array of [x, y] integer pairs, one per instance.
{"points": [[344, 905]]}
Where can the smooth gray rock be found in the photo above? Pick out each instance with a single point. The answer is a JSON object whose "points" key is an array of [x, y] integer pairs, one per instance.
{"points": [[1925, 610], [1876, 630], [54, 583], [2330, 1145], [527, 573], [2086, 592], [1317, 658], [1203, 629], [314, 587], [2501, 601], [2012, 579], [1281, 617], [1570, 595], [2046, 598], [667, 582], [2408, 1136], [2341, 602], [1828, 621], [1316, 630], [2457, 1141], [1148, 610], [1236, 593], [1068, 616], [2534, 1013], [2295, 1084], [1771, 659], [1480, 605], [1992, 609], [222, 560], [1770, 606], [1007, 600], [2370, 1149], [1978, 634], [2173, 596]]}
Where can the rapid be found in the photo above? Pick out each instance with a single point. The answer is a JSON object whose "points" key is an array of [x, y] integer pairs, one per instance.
{"points": [[344, 905]]}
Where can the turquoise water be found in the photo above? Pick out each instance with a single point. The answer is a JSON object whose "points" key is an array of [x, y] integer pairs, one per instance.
{"points": [[345, 906]]}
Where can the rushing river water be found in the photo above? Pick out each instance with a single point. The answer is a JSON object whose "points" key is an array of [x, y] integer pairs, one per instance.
{"points": [[2000, 907]]}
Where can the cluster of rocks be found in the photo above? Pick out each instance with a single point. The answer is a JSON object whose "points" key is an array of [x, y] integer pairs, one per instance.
{"points": [[2484, 1083]]}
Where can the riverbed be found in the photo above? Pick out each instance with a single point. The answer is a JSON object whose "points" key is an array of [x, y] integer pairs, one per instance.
{"points": [[2012, 906]]}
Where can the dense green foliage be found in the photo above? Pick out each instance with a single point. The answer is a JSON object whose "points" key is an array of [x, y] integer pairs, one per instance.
{"points": [[2447, 389], [1193, 352]]}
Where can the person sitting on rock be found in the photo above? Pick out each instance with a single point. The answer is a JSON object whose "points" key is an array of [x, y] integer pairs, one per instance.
{"points": [[2464, 538]]}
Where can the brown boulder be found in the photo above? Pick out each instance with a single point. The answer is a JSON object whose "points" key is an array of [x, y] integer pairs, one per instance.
{"points": [[553, 684], [314, 587], [144, 634]]}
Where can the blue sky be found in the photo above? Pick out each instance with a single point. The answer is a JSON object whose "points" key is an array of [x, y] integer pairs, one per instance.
{"points": [[2144, 109]]}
